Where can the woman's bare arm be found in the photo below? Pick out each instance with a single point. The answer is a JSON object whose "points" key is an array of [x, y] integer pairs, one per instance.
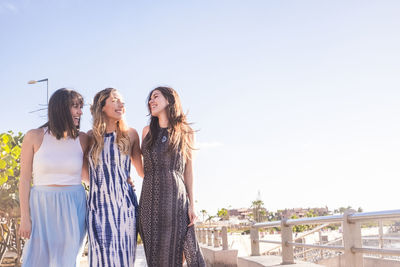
{"points": [[188, 178], [136, 153], [30, 145], [85, 141]]}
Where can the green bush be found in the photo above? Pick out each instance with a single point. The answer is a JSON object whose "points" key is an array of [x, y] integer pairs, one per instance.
{"points": [[10, 151]]}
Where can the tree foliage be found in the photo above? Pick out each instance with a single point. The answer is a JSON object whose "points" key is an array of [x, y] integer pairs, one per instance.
{"points": [[223, 214], [302, 228], [342, 210], [10, 151], [210, 218], [204, 213], [259, 212]]}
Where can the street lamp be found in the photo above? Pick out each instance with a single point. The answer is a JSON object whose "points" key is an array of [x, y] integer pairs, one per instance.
{"points": [[47, 85], [47, 90]]}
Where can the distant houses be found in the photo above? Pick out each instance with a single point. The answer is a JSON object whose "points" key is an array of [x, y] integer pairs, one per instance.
{"points": [[301, 212], [246, 215], [241, 214]]}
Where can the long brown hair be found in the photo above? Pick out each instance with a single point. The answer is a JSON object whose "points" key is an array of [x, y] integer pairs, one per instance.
{"points": [[180, 132], [99, 126], [59, 113]]}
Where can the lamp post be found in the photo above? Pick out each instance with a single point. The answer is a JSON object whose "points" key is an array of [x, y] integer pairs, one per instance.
{"points": [[47, 91], [47, 85]]}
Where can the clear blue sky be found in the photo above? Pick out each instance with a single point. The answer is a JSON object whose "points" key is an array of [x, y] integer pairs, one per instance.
{"points": [[296, 99]]}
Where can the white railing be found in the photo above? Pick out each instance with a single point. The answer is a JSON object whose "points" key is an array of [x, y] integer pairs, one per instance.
{"points": [[352, 240], [213, 236]]}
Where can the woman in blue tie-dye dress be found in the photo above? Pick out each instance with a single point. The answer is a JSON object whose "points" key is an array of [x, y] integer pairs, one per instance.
{"points": [[112, 203]]}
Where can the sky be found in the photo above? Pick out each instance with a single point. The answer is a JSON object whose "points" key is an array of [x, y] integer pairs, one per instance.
{"points": [[295, 102]]}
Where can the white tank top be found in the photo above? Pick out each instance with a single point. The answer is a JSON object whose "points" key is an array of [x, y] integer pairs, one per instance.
{"points": [[57, 161]]}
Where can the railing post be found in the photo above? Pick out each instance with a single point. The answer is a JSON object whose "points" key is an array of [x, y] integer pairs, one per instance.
{"points": [[201, 235], [224, 234], [254, 238], [352, 238], [321, 251], [381, 235], [216, 238], [286, 236], [209, 237]]}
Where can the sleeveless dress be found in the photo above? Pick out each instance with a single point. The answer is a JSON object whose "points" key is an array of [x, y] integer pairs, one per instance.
{"points": [[164, 208], [112, 208], [57, 212]]}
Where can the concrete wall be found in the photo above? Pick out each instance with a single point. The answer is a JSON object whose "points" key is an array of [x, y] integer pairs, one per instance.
{"points": [[228, 258], [337, 261], [261, 261], [368, 262], [253, 261], [216, 257], [374, 262]]}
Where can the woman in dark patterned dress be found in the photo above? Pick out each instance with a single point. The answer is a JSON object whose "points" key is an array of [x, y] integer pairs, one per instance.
{"points": [[112, 204], [166, 203]]}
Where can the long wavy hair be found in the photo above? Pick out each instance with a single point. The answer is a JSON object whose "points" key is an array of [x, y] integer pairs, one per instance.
{"points": [[59, 113], [99, 126], [180, 132]]}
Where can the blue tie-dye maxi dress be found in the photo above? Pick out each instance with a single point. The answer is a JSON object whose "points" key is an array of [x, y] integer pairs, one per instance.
{"points": [[112, 208]]}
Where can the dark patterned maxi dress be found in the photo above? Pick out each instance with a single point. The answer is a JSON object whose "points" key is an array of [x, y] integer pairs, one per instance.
{"points": [[163, 208]]}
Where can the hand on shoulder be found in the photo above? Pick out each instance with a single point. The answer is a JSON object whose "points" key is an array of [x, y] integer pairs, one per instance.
{"points": [[84, 139], [133, 135], [83, 136], [132, 131], [89, 133]]}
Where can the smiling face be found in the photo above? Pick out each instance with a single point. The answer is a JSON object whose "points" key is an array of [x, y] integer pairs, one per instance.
{"points": [[76, 112], [157, 103], [114, 107]]}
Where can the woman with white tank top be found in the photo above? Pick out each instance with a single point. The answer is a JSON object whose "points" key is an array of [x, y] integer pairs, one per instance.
{"points": [[53, 210]]}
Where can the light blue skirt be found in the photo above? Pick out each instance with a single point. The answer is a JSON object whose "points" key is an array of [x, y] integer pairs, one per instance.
{"points": [[58, 226]]}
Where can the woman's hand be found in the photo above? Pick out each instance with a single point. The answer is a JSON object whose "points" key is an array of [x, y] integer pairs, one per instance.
{"points": [[25, 228], [192, 216], [130, 182]]}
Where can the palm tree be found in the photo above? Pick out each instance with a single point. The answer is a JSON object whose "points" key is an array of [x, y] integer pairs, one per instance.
{"points": [[223, 214], [204, 213], [257, 206], [210, 217]]}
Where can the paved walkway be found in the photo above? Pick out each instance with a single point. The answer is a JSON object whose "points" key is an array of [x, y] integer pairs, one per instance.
{"points": [[140, 258]]}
